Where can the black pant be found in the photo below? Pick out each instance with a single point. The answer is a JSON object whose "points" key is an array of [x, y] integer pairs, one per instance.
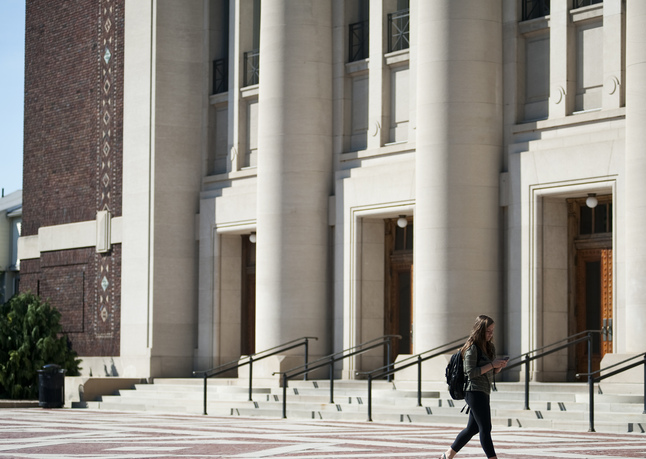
{"points": [[479, 421]]}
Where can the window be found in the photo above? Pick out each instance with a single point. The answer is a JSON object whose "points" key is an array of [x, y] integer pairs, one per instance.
{"points": [[533, 9], [596, 220], [399, 28], [589, 66], [537, 76], [251, 67], [359, 34], [403, 238], [252, 58], [359, 140], [219, 44], [582, 3], [220, 76], [399, 104]]}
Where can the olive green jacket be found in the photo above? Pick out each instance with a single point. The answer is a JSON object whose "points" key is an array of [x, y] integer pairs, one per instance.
{"points": [[477, 382]]}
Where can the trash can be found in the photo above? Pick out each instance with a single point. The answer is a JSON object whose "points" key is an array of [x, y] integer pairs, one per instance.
{"points": [[51, 386]]}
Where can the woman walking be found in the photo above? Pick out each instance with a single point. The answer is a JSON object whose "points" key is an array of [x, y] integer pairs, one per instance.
{"points": [[480, 364]]}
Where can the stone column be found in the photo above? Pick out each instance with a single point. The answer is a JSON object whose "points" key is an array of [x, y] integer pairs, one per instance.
{"points": [[635, 205], [294, 173], [458, 162]]}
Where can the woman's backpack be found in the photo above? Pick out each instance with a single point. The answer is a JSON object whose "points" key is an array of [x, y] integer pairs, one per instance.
{"points": [[455, 377]]}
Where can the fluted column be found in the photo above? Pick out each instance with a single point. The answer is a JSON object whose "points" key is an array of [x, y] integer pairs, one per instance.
{"points": [[635, 205], [458, 161], [294, 172]]}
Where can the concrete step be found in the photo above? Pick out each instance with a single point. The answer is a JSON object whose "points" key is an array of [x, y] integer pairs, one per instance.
{"points": [[557, 406]]}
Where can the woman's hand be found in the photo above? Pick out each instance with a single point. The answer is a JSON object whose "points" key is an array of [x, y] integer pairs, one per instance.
{"points": [[499, 364]]}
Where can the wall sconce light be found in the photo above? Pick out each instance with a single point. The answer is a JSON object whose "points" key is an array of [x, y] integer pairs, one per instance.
{"points": [[252, 237], [402, 222], [592, 201]]}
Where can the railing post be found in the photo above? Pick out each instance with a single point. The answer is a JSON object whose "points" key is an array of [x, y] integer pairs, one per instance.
{"points": [[369, 398], [390, 364], [590, 384], [419, 380], [250, 376], [307, 350], [644, 365], [331, 379], [204, 394], [284, 395], [527, 382]]}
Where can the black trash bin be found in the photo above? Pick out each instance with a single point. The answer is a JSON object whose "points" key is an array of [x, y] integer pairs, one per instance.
{"points": [[51, 386]]}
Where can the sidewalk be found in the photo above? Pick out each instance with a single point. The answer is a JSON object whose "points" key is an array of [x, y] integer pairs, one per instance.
{"points": [[65, 433]]}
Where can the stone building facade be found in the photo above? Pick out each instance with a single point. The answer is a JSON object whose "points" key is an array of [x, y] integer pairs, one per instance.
{"points": [[244, 172]]}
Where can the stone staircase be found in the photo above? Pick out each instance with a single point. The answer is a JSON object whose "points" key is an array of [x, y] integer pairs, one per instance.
{"points": [[556, 406]]}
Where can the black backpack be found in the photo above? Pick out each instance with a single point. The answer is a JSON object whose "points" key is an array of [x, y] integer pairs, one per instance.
{"points": [[455, 377]]}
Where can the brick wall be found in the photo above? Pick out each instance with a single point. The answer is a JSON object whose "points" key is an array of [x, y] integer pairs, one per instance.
{"points": [[73, 158]]}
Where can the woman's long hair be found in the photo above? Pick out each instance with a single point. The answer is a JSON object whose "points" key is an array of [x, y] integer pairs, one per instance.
{"points": [[478, 337]]}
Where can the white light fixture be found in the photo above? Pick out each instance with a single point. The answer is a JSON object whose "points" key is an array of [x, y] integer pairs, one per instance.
{"points": [[592, 201], [402, 222], [252, 237]]}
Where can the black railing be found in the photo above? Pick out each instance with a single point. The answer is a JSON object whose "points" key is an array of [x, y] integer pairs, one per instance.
{"points": [[582, 3], [409, 362], [533, 9], [592, 379], [251, 67], [399, 30], [220, 76], [550, 349], [330, 360], [235, 364], [359, 41]]}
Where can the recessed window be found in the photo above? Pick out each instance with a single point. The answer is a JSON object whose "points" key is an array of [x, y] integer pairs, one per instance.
{"points": [[399, 27], [220, 76], [359, 35], [582, 3], [597, 220], [404, 238], [252, 58], [534, 9]]}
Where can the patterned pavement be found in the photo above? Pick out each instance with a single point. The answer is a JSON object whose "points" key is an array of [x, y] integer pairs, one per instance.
{"points": [[64, 433]]}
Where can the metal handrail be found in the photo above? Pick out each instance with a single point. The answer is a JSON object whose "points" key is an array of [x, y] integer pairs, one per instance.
{"points": [[416, 359], [234, 364], [330, 360], [530, 356], [592, 379]]}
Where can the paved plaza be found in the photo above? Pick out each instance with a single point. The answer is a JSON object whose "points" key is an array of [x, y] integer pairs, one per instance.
{"points": [[65, 433]]}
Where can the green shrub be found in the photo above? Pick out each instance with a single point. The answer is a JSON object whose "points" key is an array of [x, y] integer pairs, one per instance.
{"points": [[29, 339]]}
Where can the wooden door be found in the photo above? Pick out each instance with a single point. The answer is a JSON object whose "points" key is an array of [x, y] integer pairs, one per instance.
{"points": [[248, 309], [594, 304], [606, 302], [399, 287]]}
